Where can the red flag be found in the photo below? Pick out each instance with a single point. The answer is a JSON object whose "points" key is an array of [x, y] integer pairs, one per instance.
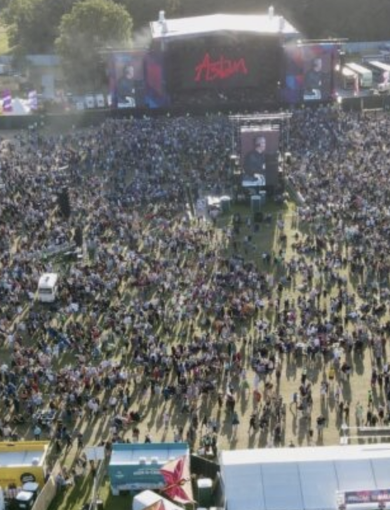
{"points": [[176, 474]]}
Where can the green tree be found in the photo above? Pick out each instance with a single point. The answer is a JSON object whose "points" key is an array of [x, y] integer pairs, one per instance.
{"points": [[4, 4], [145, 11], [33, 24], [19, 18], [91, 27]]}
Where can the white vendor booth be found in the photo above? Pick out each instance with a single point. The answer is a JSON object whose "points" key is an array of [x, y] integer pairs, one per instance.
{"points": [[313, 478], [146, 499]]}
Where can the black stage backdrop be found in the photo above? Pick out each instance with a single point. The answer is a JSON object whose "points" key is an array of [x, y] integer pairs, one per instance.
{"points": [[224, 62]]}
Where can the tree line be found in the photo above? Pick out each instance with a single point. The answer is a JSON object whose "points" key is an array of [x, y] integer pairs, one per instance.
{"points": [[79, 29]]}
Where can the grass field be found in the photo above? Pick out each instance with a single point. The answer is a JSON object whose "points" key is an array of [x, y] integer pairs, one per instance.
{"points": [[77, 496], [263, 240], [253, 243], [4, 44]]}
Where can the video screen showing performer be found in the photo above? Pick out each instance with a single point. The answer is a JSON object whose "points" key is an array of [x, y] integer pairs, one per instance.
{"points": [[317, 72], [254, 162], [126, 86], [127, 80], [259, 148], [309, 72]]}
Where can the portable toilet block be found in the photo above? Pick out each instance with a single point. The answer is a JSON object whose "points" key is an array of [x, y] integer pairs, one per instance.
{"points": [[204, 489], [255, 203]]}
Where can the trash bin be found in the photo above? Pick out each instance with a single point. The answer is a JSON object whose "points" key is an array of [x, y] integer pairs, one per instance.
{"points": [[24, 500], [99, 504], [225, 205]]}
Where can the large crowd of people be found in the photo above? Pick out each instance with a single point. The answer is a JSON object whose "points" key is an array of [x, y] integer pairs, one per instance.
{"points": [[174, 313]]}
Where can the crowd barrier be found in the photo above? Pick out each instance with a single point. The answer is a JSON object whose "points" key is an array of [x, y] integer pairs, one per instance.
{"points": [[366, 103], [49, 490], [77, 119]]}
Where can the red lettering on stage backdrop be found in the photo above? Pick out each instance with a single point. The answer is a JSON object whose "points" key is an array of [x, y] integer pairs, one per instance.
{"points": [[221, 69]]}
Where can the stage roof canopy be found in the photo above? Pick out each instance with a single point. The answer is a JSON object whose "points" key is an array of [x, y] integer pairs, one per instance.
{"points": [[200, 25], [302, 478]]}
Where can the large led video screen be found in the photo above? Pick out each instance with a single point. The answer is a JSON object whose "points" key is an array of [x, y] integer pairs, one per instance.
{"points": [[259, 155], [309, 72], [126, 75], [224, 62]]}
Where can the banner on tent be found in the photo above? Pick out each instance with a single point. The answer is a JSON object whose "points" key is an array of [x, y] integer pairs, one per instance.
{"points": [[7, 101], [365, 496], [33, 100]]}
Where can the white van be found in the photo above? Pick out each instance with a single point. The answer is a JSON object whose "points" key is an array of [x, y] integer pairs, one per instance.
{"points": [[47, 287]]}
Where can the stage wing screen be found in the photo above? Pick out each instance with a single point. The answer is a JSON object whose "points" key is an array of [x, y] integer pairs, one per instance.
{"points": [[126, 75], [309, 72], [155, 89]]}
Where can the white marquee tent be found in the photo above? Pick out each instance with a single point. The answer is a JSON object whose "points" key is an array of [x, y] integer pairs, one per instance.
{"points": [[302, 478]]}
